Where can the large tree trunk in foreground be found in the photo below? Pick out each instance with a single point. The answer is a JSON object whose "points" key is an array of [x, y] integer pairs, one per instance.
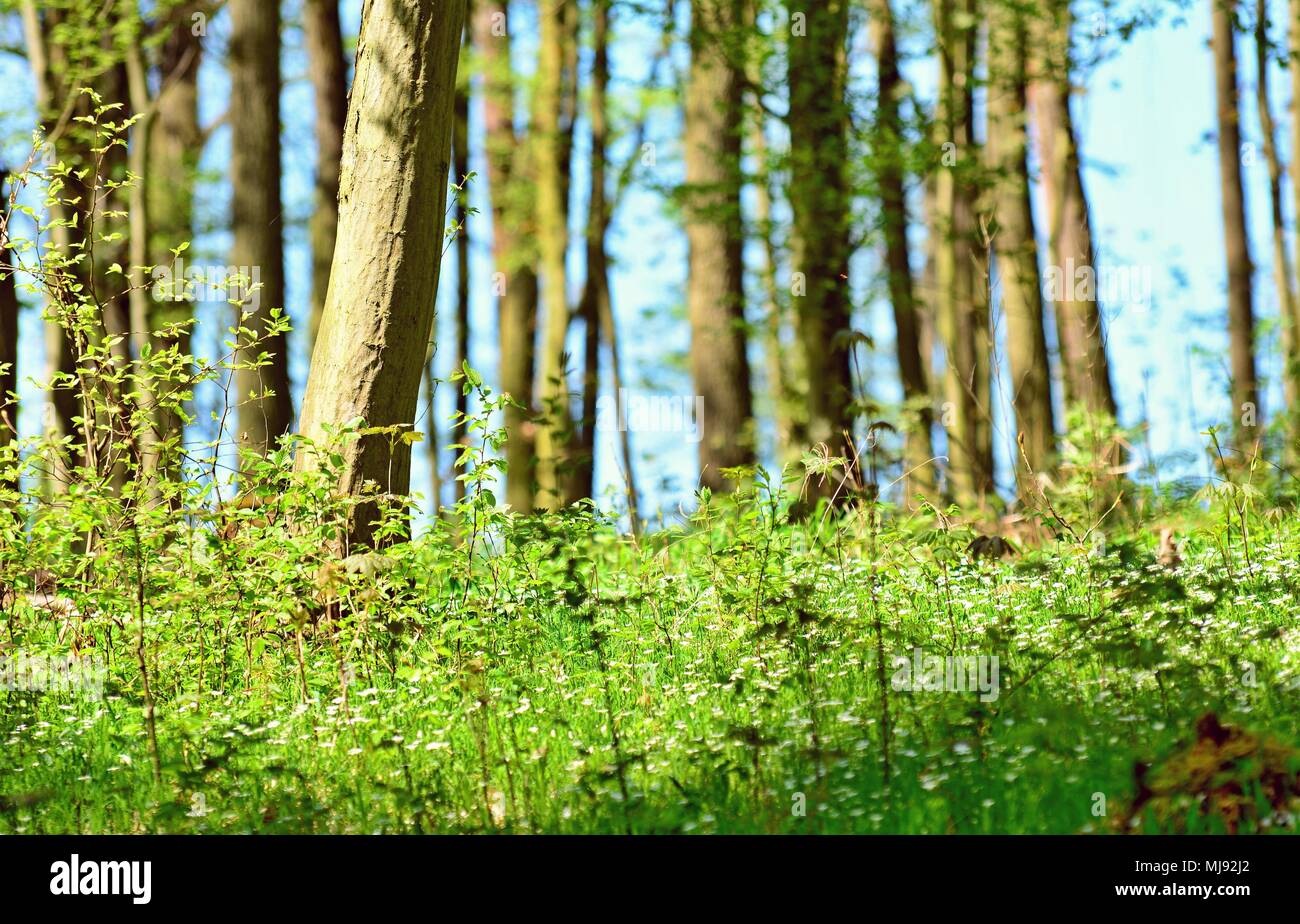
{"points": [[513, 248], [889, 153], [1241, 317], [715, 232], [256, 219], [329, 79], [1015, 243], [820, 203], [379, 310]]}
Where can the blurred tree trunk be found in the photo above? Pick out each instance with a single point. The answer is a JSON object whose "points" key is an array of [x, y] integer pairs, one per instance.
{"points": [[175, 146], [1282, 278], [1014, 240], [256, 218], [379, 310], [460, 171], [8, 334], [514, 247], [1079, 330], [1293, 371], [715, 235], [1241, 318], [595, 292], [961, 310], [821, 206], [890, 158], [328, 70], [555, 431]]}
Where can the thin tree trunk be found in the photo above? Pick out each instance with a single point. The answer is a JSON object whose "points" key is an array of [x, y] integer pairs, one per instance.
{"points": [[1079, 330], [460, 155], [891, 174], [175, 145], [379, 310], [328, 69], [715, 235], [1282, 279], [820, 204], [961, 315], [256, 219], [1015, 243], [513, 248], [8, 336], [555, 430], [1241, 318], [596, 287]]}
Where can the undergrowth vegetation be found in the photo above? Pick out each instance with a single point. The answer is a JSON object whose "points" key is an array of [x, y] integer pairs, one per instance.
{"points": [[742, 671]]}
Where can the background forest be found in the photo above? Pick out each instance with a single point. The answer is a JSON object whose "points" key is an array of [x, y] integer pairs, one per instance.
{"points": [[592, 416]]}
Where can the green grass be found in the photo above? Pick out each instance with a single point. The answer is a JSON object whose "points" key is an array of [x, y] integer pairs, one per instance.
{"points": [[556, 676]]}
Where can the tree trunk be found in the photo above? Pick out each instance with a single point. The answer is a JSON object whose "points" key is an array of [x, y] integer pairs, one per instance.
{"points": [[1015, 243], [555, 430], [256, 219], [460, 156], [1286, 294], [1241, 319], [328, 69], [961, 313], [890, 157], [175, 145], [379, 310], [715, 234], [8, 335], [513, 248], [820, 204], [1080, 334]]}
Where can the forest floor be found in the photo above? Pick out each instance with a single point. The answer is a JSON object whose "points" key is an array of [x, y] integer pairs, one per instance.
{"points": [[740, 673]]}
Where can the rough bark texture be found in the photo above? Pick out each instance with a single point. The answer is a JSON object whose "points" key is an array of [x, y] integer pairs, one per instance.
{"points": [[715, 293], [329, 78], [1014, 241], [256, 218], [820, 203], [890, 175], [1241, 318], [513, 248], [379, 310], [1081, 337]]}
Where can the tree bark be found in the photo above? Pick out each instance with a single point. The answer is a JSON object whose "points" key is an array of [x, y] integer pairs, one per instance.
{"points": [[328, 69], [555, 430], [1241, 318], [379, 309], [1080, 333], [8, 334], [256, 219], [1015, 243], [961, 312], [889, 156], [820, 204], [513, 248], [1282, 278], [715, 235]]}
